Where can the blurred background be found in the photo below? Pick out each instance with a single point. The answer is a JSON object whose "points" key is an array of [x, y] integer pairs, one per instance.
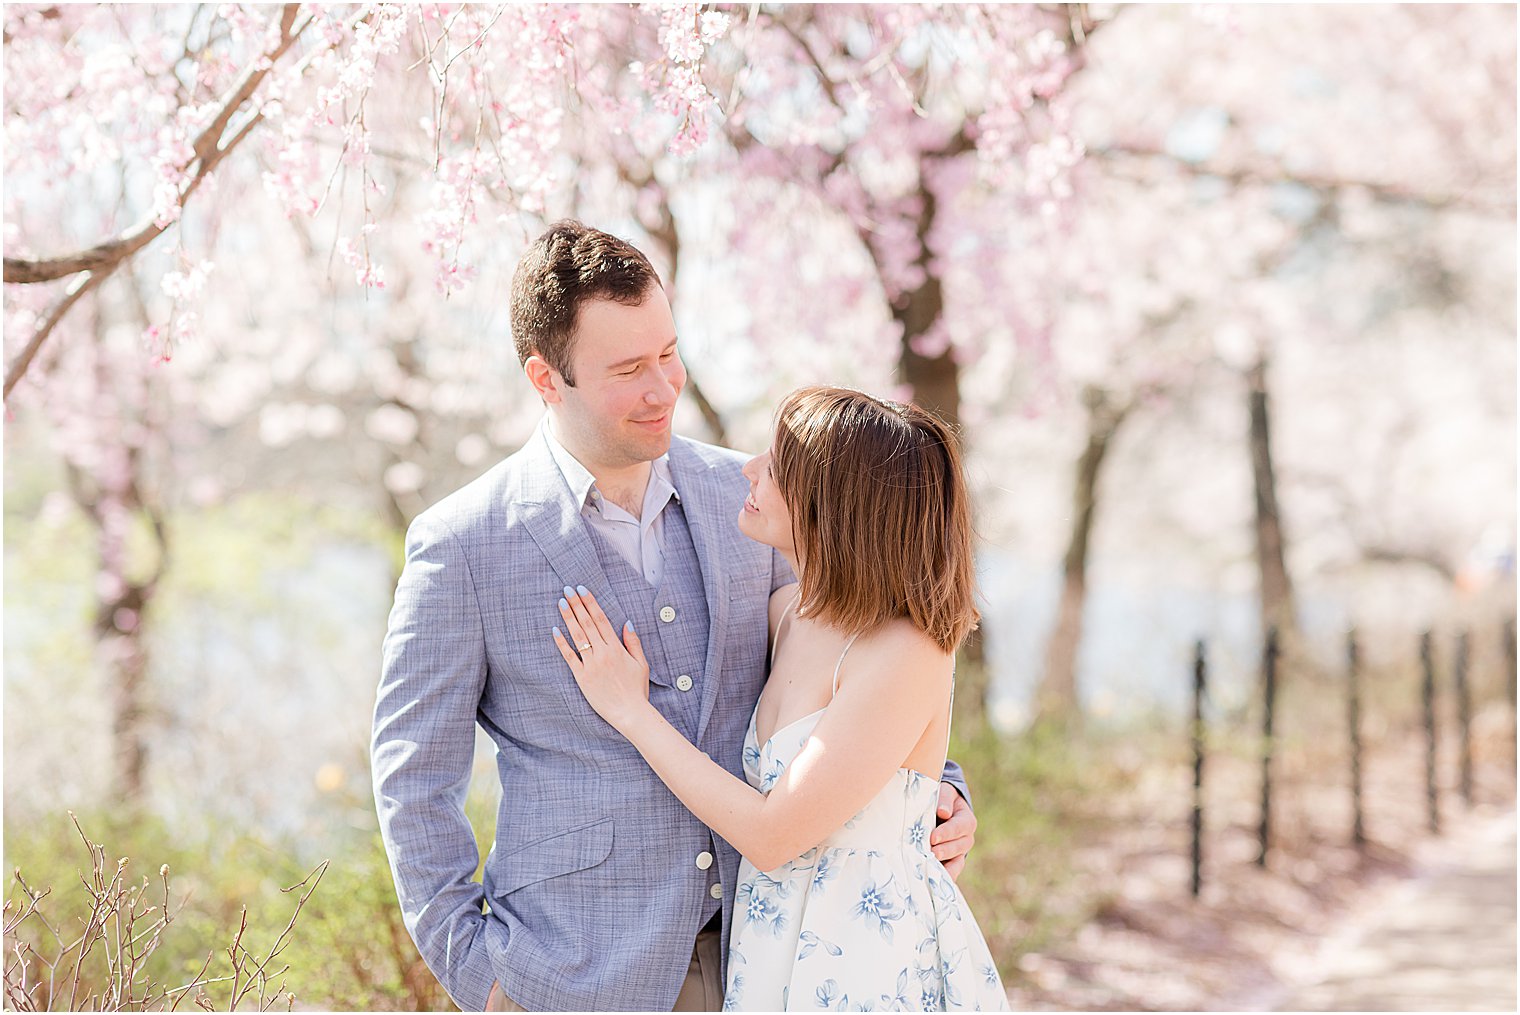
{"points": [[1223, 299]]}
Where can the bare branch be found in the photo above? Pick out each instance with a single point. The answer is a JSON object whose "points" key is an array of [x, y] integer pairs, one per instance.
{"points": [[824, 78], [1431, 559], [18, 366], [1328, 185]]}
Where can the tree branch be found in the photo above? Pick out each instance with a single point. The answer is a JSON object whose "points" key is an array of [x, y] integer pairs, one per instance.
{"points": [[103, 259], [17, 368], [208, 153], [1398, 555], [1325, 184]]}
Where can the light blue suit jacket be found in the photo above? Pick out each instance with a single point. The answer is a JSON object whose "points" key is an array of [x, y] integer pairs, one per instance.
{"points": [[591, 895]]}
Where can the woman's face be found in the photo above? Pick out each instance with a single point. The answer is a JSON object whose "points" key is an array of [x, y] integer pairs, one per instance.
{"points": [[765, 517]]}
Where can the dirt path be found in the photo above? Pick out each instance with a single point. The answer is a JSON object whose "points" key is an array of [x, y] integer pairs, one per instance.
{"points": [[1413, 921], [1442, 940]]}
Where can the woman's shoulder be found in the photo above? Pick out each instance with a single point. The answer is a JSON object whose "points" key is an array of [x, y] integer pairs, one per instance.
{"points": [[905, 649], [781, 599]]}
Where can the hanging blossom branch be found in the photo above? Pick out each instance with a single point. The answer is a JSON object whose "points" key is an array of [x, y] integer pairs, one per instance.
{"points": [[208, 153], [101, 260]]}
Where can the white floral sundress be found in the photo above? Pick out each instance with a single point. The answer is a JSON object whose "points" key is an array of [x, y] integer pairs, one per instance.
{"points": [[868, 920]]}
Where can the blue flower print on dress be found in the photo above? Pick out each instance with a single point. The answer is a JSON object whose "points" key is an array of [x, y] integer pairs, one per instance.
{"points": [[947, 967], [826, 870], [772, 773], [853, 924], [758, 908], [898, 1000], [783, 886], [918, 836], [949, 903], [810, 943], [877, 909], [735, 990]]}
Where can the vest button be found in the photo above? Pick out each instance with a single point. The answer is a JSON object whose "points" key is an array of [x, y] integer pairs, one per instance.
{"points": [[704, 860], [667, 613], [683, 683], [716, 891]]}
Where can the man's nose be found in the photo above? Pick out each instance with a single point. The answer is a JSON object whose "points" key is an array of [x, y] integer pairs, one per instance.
{"points": [[663, 391]]}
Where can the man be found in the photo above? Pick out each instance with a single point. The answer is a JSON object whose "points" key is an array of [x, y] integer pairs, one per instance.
{"points": [[601, 891]]}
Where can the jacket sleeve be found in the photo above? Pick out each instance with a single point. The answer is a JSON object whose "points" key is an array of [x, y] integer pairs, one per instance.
{"points": [[955, 777], [432, 677]]}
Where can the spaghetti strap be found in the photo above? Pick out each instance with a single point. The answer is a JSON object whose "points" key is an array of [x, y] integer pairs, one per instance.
{"points": [[837, 665], [950, 718], [785, 612]]}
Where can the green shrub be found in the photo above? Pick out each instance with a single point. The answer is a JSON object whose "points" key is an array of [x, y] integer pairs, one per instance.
{"points": [[109, 938]]}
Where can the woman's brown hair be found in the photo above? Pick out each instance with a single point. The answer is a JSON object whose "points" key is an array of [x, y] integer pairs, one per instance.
{"points": [[881, 519]]}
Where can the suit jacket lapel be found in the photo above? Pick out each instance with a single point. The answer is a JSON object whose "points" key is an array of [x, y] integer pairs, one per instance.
{"points": [[702, 504], [553, 519]]}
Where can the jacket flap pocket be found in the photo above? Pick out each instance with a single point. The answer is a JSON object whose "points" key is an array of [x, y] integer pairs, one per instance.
{"points": [[562, 853]]}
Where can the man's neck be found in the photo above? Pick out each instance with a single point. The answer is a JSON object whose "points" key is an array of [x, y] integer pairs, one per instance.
{"points": [[623, 485]]}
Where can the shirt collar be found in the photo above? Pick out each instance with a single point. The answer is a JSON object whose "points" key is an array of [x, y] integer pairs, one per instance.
{"points": [[576, 475], [661, 483]]}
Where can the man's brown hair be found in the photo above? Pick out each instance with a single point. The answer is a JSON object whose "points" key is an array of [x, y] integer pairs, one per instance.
{"points": [[881, 517], [569, 265]]}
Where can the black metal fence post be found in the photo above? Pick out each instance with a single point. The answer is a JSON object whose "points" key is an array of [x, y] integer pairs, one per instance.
{"points": [[1428, 700], [1464, 718], [1269, 702], [1354, 725], [1200, 679]]}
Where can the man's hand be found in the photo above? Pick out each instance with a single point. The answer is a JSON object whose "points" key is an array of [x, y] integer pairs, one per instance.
{"points": [[955, 834]]}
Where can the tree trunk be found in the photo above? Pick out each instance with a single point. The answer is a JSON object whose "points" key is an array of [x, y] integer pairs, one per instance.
{"points": [[1056, 699], [660, 223], [123, 657], [1276, 587], [935, 382]]}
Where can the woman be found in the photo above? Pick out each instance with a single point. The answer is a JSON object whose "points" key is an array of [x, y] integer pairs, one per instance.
{"points": [[840, 903]]}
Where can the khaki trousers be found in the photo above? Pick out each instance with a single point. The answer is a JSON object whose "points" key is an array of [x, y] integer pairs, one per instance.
{"points": [[701, 991]]}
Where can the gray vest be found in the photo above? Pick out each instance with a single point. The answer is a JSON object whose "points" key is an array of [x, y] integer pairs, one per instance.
{"points": [[671, 620], [672, 623]]}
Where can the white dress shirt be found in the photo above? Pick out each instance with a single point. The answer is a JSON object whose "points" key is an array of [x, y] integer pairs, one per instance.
{"points": [[640, 541]]}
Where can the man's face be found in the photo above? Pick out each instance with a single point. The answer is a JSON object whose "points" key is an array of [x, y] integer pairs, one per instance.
{"points": [[628, 376]]}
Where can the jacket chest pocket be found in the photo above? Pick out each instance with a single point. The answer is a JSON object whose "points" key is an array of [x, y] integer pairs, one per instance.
{"points": [[747, 628]]}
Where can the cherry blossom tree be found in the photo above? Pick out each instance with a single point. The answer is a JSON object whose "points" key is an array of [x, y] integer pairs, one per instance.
{"points": [[119, 425], [142, 139], [164, 95], [995, 210], [1207, 195], [144, 130]]}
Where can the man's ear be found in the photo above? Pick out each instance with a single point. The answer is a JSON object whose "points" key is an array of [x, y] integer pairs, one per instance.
{"points": [[544, 378]]}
